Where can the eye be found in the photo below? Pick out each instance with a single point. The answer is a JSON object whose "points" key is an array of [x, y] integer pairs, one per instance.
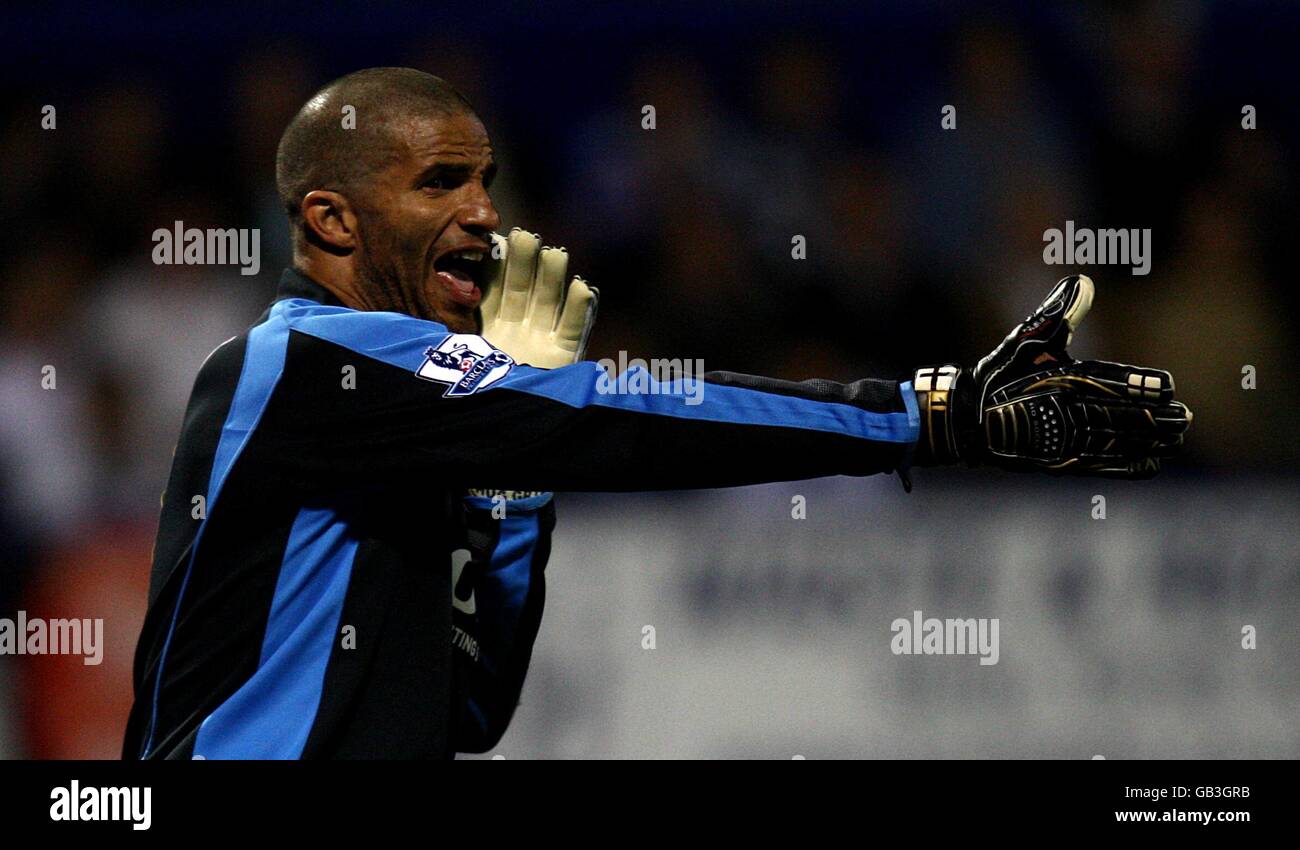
{"points": [[443, 180]]}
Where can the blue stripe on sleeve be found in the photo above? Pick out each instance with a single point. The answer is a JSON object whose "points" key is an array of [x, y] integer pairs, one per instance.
{"points": [[401, 340]]}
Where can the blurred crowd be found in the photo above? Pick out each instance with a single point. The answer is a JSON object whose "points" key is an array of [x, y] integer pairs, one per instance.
{"points": [[922, 244]]}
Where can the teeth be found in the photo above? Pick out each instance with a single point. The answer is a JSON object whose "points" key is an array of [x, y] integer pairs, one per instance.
{"points": [[472, 256]]}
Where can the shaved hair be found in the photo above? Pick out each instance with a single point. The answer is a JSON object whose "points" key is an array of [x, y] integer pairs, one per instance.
{"points": [[316, 152]]}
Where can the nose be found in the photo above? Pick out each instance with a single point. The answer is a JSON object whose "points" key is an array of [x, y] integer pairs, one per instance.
{"points": [[477, 213]]}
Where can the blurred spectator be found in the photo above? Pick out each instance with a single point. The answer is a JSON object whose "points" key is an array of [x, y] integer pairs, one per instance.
{"points": [[71, 709]]}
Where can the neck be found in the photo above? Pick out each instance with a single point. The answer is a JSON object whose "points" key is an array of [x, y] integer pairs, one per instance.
{"points": [[336, 276]]}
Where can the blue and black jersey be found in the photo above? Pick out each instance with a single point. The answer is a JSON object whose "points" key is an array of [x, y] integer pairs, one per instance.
{"points": [[332, 577]]}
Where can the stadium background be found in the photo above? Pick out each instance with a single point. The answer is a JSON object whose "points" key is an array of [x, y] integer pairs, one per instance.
{"points": [[1119, 637]]}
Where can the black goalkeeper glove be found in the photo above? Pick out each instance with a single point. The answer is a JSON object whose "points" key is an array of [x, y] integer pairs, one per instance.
{"points": [[1030, 406]]}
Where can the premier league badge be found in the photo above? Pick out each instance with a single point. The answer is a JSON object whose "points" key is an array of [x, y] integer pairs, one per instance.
{"points": [[466, 362]]}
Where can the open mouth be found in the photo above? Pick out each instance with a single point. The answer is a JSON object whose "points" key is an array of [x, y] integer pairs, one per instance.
{"points": [[461, 273]]}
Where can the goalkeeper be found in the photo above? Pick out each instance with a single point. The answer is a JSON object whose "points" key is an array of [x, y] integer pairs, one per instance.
{"points": [[351, 551]]}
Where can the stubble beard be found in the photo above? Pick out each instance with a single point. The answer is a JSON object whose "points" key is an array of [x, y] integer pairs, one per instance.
{"points": [[386, 286]]}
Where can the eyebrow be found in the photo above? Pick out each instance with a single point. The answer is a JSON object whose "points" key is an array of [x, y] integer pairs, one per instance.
{"points": [[463, 170]]}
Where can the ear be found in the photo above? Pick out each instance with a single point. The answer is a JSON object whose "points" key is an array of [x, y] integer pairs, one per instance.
{"points": [[329, 219]]}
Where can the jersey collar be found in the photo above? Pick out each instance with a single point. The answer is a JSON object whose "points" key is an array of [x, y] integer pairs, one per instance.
{"points": [[295, 284]]}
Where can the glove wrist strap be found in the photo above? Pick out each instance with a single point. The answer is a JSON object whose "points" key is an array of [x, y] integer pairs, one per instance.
{"points": [[939, 407]]}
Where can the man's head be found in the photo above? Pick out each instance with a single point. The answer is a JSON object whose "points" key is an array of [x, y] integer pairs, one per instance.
{"points": [[381, 206]]}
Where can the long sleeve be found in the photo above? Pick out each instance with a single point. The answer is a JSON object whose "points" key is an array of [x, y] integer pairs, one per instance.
{"points": [[497, 609], [424, 401]]}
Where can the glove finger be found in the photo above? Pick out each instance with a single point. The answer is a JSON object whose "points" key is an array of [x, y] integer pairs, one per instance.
{"points": [[1060, 313], [1147, 420], [494, 279], [1121, 430], [522, 249], [1174, 418], [1098, 466], [1039, 342], [1078, 304], [1106, 466], [1133, 470], [579, 316], [1130, 431], [548, 291], [1131, 446], [1173, 421], [1105, 380]]}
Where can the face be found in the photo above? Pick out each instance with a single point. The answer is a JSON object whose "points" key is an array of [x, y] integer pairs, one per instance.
{"points": [[425, 225]]}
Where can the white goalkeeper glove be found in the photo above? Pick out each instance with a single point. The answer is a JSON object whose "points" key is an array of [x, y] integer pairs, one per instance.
{"points": [[525, 310]]}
